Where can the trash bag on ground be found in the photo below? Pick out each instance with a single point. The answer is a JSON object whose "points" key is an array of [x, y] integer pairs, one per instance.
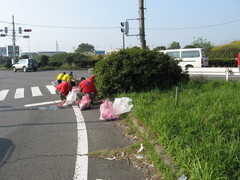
{"points": [[122, 105], [106, 111], [85, 102], [71, 98], [55, 83]]}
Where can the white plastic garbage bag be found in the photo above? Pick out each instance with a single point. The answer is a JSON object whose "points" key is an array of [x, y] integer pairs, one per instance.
{"points": [[71, 98], [55, 83], [122, 105]]}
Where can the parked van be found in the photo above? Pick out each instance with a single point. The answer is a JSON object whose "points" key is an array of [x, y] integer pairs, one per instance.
{"points": [[194, 57]]}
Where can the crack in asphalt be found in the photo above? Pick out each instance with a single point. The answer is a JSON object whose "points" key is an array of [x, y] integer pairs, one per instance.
{"points": [[41, 156]]}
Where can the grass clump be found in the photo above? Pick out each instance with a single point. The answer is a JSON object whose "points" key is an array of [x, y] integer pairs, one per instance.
{"points": [[201, 133]]}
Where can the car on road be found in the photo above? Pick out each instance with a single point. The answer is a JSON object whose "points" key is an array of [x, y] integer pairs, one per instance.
{"points": [[25, 65]]}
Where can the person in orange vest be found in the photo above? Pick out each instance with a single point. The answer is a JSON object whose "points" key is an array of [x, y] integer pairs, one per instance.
{"points": [[238, 62]]}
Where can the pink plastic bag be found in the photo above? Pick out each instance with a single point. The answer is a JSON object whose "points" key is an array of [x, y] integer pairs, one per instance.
{"points": [[106, 111], [85, 102]]}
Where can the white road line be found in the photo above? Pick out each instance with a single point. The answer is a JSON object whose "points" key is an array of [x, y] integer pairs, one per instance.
{"points": [[42, 103], [3, 94], [51, 88], [36, 91], [19, 93], [81, 166]]}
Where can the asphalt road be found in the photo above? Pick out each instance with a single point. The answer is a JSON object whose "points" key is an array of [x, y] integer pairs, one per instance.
{"points": [[41, 141]]}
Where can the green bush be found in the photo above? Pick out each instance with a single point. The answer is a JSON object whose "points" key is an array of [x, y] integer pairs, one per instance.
{"points": [[136, 70], [222, 62], [59, 58], [71, 59], [8, 62]]}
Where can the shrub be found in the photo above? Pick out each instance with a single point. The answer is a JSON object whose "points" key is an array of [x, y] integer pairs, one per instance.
{"points": [[72, 59], [55, 64], [8, 62], [136, 70], [222, 62], [44, 60]]}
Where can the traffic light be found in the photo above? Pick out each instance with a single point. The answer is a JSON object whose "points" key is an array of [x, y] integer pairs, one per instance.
{"points": [[6, 30], [27, 30], [125, 27], [20, 30], [122, 28], [2, 35]]}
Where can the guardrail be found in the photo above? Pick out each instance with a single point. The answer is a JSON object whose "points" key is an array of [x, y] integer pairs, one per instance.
{"points": [[225, 71]]}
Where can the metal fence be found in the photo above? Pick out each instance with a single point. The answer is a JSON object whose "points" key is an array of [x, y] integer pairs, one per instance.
{"points": [[226, 71]]}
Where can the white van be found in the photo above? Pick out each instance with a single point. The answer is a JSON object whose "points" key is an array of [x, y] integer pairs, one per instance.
{"points": [[194, 57]]}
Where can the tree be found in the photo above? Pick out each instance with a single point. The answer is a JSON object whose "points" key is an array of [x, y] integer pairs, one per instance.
{"points": [[69, 59], [85, 48], [135, 47], [24, 57], [174, 45], [44, 60], [159, 48], [189, 46], [8, 62], [202, 43]]}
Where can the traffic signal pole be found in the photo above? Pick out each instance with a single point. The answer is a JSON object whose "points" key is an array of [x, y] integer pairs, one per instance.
{"points": [[14, 41], [141, 24]]}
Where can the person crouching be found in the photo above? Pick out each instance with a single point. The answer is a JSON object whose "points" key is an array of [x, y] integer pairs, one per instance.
{"points": [[64, 88], [87, 87]]}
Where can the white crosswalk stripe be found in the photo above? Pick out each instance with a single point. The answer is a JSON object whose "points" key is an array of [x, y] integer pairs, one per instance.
{"points": [[36, 91], [51, 88], [3, 94], [19, 92]]}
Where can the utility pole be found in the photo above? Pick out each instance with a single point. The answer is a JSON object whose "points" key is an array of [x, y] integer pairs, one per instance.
{"points": [[141, 24], [56, 46], [123, 41], [14, 41]]}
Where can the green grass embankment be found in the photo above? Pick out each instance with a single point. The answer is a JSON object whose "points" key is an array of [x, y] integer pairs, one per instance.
{"points": [[200, 134]]}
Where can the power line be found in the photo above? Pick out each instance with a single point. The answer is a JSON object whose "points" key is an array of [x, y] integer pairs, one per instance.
{"points": [[154, 29], [62, 27]]}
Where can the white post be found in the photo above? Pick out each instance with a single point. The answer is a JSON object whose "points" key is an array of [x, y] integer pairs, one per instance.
{"points": [[227, 74]]}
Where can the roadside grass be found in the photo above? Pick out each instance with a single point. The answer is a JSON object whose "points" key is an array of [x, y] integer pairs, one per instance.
{"points": [[200, 134]]}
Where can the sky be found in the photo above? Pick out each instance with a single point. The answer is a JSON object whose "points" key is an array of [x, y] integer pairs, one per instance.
{"points": [[63, 25]]}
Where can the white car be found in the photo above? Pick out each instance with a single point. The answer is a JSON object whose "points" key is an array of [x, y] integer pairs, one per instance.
{"points": [[25, 65]]}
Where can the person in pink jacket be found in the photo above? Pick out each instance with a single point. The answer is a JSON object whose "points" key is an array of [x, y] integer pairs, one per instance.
{"points": [[87, 86]]}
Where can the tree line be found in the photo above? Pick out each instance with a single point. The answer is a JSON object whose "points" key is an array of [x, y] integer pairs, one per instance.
{"points": [[84, 56]]}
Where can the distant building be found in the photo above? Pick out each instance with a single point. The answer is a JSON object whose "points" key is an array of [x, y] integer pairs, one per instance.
{"points": [[3, 51], [99, 52], [50, 53], [113, 50]]}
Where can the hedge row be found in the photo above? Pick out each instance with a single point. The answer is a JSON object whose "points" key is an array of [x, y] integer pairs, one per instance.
{"points": [[70, 59], [224, 53], [222, 62]]}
